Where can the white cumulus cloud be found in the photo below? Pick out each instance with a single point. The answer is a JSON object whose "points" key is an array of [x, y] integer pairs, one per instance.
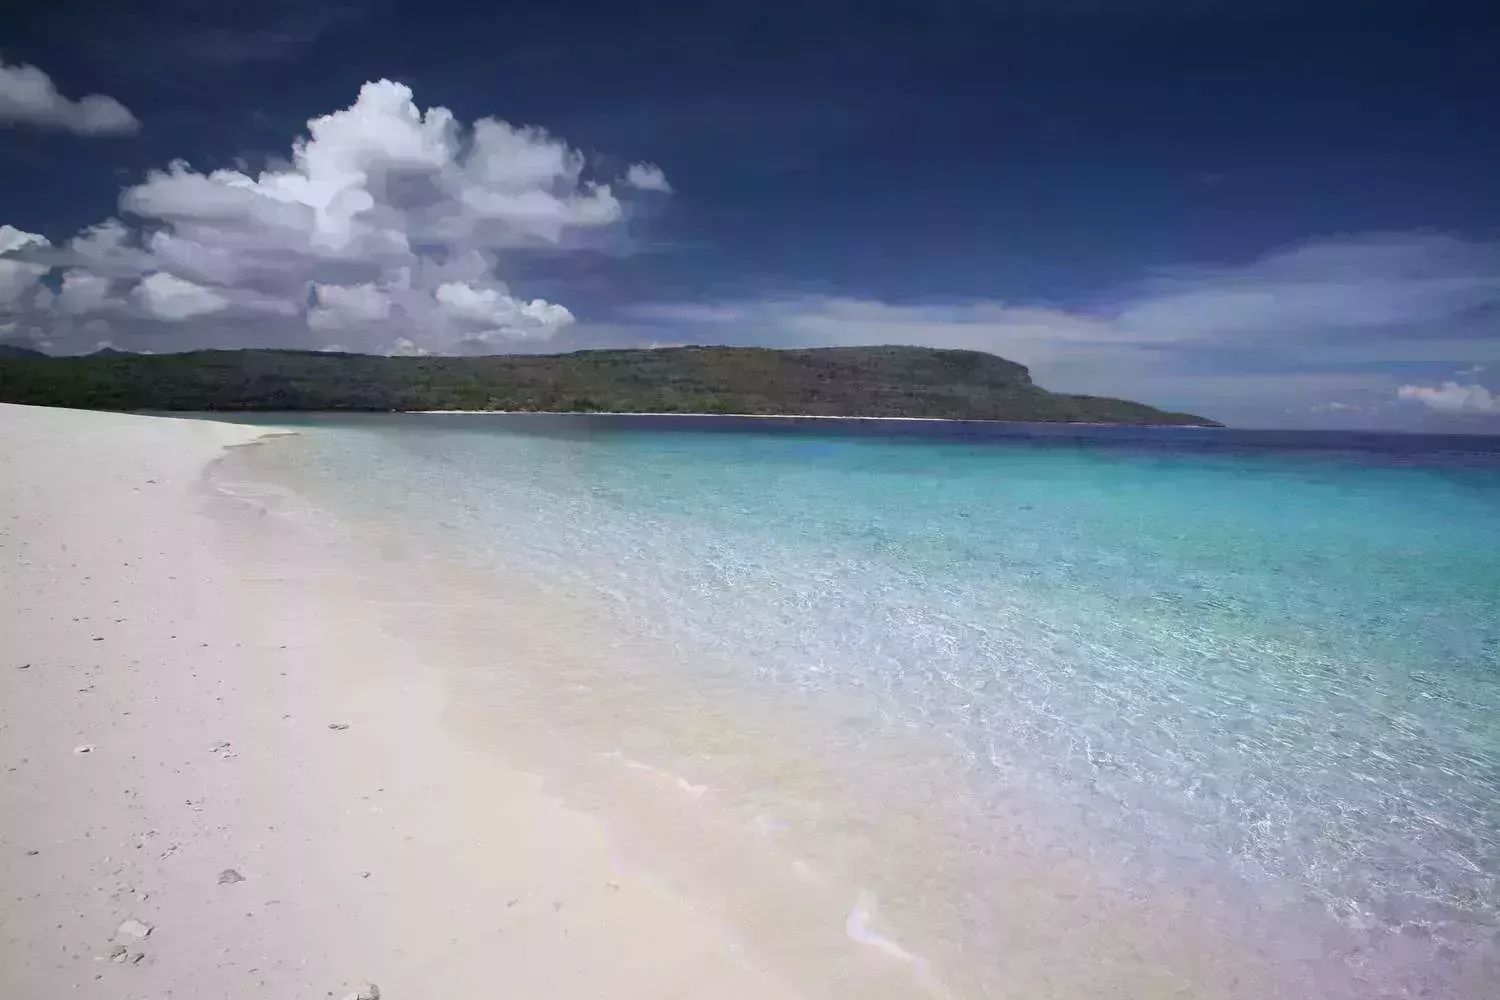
{"points": [[340, 306], [493, 309], [19, 280], [386, 223], [404, 348], [647, 177], [28, 96], [82, 292], [1453, 397], [171, 298], [12, 238]]}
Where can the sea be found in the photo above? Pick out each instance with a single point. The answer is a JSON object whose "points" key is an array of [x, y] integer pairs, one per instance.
{"points": [[1020, 710]]}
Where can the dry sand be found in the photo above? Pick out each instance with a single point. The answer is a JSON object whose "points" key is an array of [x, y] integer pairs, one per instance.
{"points": [[211, 785]]}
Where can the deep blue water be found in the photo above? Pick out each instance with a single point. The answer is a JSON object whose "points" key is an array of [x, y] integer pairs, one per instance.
{"points": [[1271, 655]]}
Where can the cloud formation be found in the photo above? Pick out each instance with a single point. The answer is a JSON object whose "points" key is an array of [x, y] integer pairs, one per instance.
{"points": [[171, 298], [387, 224], [28, 97], [18, 279], [647, 177], [1339, 407], [1358, 284], [1453, 397]]}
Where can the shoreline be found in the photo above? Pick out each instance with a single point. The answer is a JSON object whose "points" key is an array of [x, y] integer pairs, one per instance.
{"points": [[755, 800], [223, 782]]}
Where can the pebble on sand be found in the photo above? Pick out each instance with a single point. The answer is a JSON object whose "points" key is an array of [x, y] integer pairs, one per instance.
{"points": [[229, 877], [85, 748], [134, 928], [366, 991], [338, 725]]}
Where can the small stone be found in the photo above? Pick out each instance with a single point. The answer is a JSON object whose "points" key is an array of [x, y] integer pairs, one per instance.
{"points": [[338, 725], [119, 953], [32, 854], [136, 958], [84, 748], [366, 991], [364, 874], [229, 877], [24, 666], [134, 928]]}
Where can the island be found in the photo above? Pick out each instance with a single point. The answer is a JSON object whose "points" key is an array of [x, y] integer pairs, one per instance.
{"points": [[829, 381]]}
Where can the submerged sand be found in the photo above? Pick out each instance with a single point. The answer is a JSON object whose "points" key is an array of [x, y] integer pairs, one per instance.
{"points": [[216, 785]]}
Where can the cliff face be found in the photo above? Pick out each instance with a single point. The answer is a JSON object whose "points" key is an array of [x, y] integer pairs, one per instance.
{"points": [[842, 381]]}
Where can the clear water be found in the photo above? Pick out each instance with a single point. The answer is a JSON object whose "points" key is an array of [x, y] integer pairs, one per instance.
{"points": [[1269, 664]]}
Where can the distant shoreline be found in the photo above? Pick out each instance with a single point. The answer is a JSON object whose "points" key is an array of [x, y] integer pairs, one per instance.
{"points": [[839, 382], [808, 416]]}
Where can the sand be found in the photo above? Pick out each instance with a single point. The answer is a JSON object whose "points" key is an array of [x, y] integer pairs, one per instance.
{"points": [[213, 785]]}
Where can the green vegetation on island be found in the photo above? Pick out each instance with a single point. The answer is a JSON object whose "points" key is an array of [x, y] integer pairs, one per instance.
{"points": [[833, 381]]}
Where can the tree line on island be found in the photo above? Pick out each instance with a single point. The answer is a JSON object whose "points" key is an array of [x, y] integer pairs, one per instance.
{"points": [[833, 381]]}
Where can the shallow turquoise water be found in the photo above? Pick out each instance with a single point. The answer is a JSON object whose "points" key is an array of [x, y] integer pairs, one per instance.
{"points": [[1276, 663]]}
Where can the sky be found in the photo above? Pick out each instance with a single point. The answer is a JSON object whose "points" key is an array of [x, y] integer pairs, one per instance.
{"points": [[1281, 214]]}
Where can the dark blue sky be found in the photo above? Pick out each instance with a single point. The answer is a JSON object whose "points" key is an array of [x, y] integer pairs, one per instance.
{"points": [[1166, 198]]}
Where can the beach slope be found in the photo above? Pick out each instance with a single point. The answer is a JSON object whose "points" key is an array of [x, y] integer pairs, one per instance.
{"points": [[212, 785]]}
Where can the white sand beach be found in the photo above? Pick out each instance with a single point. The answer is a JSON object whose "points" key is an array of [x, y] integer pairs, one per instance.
{"points": [[215, 786]]}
